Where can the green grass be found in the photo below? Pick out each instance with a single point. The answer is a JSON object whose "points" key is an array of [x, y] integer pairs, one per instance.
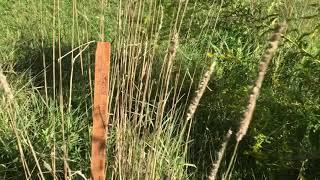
{"points": [[152, 83]]}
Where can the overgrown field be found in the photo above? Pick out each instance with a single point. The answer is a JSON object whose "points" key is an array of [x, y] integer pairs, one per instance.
{"points": [[163, 54]]}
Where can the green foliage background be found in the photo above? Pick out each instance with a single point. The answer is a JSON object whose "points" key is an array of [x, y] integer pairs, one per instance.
{"points": [[284, 139]]}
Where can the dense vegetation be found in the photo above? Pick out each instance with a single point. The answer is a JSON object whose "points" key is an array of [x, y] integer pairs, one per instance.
{"points": [[160, 51]]}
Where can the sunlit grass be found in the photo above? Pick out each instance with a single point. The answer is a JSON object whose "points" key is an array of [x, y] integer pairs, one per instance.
{"points": [[160, 51]]}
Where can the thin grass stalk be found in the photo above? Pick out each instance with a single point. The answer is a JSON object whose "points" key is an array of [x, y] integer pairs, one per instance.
{"points": [[216, 20], [102, 25], [207, 17], [191, 20], [217, 162], [12, 116], [53, 158], [119, 30], [183, 14], [271, 49], [176, 20], [44, 73], [136, 53], [149, 60], [153, 13], [228, 173], [34, 156], [89, 67], [61, 106], [72, 54], [133, 62], [166, 73], [83, 80], [44, 57], [13, 125], [176, 95], [54, 50]]}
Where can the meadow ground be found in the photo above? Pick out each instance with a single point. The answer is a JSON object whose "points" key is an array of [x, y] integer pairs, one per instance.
{"points": [[161, 125]]}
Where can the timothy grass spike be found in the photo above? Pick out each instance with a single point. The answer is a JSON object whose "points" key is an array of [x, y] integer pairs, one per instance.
{"points": [[265, 61]]}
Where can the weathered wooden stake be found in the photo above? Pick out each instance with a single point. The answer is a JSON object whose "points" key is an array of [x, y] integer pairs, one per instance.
{"points": [[100, 111]]}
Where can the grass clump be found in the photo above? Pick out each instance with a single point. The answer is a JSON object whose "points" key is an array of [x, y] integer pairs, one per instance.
{"points": [[180, 72]]}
